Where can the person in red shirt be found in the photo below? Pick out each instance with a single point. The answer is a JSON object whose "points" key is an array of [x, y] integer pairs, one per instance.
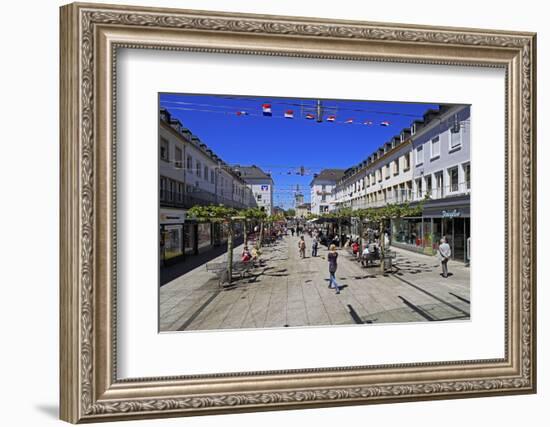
{"points": [[355, 248], [246, 256]]}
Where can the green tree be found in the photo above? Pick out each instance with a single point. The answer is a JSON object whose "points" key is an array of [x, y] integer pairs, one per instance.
{"points": [[219, 214], [290, 213], [339, 215], [386, 213], [255, 215]]}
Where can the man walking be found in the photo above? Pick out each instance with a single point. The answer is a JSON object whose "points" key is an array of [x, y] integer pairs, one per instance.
{"points": [[314, 246], [444, 253]]}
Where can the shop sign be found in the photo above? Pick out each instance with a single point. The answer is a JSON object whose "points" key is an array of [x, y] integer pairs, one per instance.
{"points": [[170, 217], [450, 214], [265, 187]]}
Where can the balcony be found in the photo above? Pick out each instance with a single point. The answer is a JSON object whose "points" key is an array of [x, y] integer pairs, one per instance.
{"points": [[176, 199]]}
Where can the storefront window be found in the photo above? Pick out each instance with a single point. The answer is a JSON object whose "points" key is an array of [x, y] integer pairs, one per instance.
{"points": [[428, 236], [436, 233], [204, 235], [238, 229], [189, 239], [408, 231], [172, 237]]}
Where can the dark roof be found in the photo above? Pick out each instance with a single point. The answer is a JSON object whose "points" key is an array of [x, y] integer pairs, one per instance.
{"points": [[328, 175], [304, 206], [251, 172]]}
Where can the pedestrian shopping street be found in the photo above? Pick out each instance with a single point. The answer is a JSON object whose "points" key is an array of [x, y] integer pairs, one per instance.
{"points": [[287, 291]]}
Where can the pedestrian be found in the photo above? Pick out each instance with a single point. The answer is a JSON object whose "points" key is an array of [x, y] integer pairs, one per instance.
{"points": [[444, 253], [332, 267], [387, 239], [314, 246], [302, 247], [246, 255], [365, 256], [355, 248], [292, 230]]}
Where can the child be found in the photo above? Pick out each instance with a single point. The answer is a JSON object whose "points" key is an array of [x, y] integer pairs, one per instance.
{"points": [[246, 256]]}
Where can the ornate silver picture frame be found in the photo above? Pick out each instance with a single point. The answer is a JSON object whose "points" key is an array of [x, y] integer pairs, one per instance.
{"points": [[91, 36]]}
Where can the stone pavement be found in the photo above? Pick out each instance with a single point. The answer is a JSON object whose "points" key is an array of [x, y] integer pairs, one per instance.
{"points": [[290, 292]]}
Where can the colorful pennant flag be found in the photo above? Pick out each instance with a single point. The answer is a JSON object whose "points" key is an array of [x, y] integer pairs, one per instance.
{"points": [[289, 114], [331, 118], [310, 116], [384, 123], [368, 122], [266, 109], [242, 113], [349, 121]]}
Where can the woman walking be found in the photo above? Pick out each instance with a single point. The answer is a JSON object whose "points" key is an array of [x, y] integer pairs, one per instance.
{"points": [[302, 247], [332, 267]]}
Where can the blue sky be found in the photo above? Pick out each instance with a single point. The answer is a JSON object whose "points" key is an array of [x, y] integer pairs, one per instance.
{"points": [[282, 146]]}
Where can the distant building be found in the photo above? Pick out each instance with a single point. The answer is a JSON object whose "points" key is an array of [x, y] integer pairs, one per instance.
{"points": [[277, 210], [298, 199], [260, 183], [322, 188], [303, 210]]}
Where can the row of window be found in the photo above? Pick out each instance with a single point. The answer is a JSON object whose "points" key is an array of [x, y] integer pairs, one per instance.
{"points": [[393, 168], [458, 181], [204, 172], [435, 185], [434, 145], [172, 190]]}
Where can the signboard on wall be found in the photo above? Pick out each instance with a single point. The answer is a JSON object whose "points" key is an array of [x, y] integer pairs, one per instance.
{"points": [[171, 216]]}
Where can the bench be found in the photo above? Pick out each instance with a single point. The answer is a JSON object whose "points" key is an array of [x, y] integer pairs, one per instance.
{"points": [[389, 256], [351, 254], [220, 269]]}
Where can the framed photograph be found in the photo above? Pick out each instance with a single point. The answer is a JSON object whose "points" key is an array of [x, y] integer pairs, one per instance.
{"points": [[267, 212]]}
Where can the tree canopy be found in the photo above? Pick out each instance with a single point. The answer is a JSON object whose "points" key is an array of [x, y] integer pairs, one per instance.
{"points": [[213, 213], [223, 213]]}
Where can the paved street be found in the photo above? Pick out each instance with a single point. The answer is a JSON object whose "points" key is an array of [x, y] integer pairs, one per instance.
{"points": [[288, 291]]}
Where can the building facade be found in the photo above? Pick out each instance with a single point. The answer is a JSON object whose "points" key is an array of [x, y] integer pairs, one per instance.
{"points": [[303, 210], [441, 176], [260, 184], [429, 162], [191, 174], [322, 187]]}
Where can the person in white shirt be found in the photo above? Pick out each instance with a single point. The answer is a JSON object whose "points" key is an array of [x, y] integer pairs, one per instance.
{"points": [[444, 254], [364, 256]]}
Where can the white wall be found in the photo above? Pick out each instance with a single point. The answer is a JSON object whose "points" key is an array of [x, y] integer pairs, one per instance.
{"points": [[29, 215]]}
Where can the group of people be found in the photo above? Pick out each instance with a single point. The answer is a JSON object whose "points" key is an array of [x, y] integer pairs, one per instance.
{"points": [[332, 258], [370, 252], [315, 235], [250, 256]]}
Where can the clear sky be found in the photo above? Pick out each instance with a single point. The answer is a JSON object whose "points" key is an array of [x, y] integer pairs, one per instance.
{"points": [[283, 146]]}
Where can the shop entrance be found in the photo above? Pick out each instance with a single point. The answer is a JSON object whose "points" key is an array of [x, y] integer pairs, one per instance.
{"points": [[459, 240]]}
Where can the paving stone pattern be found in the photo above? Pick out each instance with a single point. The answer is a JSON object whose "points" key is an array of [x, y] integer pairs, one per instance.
{"points": [[287, 291]]}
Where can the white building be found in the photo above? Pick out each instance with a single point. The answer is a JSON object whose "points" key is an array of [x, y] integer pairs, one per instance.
{"points": [[303, 210], [430, 162], [322, 190], [192, 174], [260, 183]]}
